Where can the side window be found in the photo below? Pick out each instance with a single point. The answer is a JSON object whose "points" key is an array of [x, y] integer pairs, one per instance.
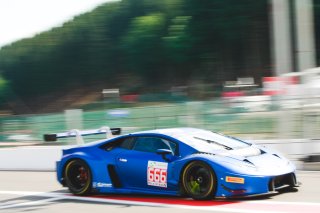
{"points": [[125, 143], [144, 144], [173, 146], [152, 144]]}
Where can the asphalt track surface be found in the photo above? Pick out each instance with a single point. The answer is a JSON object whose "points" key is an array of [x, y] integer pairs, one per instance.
{"points": [[40, 192]]}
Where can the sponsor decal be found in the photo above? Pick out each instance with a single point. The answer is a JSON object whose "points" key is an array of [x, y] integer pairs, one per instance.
{"points": [[157, 174], [234, 179], [101, 185]]}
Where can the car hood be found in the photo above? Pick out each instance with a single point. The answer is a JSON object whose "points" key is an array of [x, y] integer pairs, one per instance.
{"points": [[257, 159], [242, 152]]}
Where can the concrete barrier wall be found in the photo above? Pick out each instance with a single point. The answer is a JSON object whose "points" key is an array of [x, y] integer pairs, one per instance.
{"points": [[44, 157], [39, 158]]}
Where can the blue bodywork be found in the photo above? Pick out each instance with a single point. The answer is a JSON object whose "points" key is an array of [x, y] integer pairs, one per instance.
{"points": [[247, 170]]}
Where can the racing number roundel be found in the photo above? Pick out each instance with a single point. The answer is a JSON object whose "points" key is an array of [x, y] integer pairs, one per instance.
{"points": [[157, 173]]}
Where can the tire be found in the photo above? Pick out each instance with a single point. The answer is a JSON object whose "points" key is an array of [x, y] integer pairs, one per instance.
{"points": [[78, 177], [199, 181]]}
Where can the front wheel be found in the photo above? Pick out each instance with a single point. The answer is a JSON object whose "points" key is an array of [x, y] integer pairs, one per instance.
{"points": [[78, 177], [199, 181]]}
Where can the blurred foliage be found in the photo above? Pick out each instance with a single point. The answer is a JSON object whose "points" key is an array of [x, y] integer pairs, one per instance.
{"points": [[157, 43], [4, 85]]}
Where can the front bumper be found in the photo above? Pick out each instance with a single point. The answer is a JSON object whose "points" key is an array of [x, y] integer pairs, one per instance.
{"points": [[282, 181], [253, 185]]}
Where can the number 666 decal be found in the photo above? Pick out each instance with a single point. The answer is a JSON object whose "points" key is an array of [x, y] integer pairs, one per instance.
{"points": [[157, 173]]}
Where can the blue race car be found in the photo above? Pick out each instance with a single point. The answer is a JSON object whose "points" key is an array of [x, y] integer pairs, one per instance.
{"points": [[179, 161]]}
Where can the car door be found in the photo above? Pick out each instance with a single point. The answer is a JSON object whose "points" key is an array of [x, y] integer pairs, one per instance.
{"points": [[142, 168]]}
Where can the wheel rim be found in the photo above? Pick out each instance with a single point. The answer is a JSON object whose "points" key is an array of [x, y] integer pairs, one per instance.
{"points": [[199, 181], [78, 176]]}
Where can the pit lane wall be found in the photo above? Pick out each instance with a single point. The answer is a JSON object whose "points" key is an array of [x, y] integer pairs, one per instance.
{"points": [[43, 158], [31, 158]]}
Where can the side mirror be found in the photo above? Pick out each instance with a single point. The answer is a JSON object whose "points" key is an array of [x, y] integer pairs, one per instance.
{"points": [[164, 152]]}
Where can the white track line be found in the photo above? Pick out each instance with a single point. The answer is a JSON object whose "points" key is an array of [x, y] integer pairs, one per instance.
{"points": [[31, 203], [63, 196], [283, 203], [59, 196]]}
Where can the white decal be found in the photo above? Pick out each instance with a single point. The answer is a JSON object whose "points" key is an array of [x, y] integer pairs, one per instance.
{"points": [[101, 185], [157, 173]]}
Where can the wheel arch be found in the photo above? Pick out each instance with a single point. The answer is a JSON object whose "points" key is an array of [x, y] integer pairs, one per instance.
{"points": [[192, 160], [73, 181], [67, 161], [202, 160]]}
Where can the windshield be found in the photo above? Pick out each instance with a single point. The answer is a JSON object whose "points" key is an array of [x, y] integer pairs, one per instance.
{"points": [[206, 141]]}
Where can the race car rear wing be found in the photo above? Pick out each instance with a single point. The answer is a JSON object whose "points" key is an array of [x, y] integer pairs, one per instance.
{"points": [[109, 132]]}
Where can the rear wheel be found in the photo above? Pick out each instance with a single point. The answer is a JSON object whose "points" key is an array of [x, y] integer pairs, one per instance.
{"points": [[78, 177], [199, 181]]}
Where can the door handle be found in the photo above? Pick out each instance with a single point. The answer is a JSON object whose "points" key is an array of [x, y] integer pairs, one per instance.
{"points": [[123, 160]]}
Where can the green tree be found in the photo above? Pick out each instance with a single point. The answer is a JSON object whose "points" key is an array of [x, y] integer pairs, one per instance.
{"points": [[142, 44], [4, 90], [159, 43]]}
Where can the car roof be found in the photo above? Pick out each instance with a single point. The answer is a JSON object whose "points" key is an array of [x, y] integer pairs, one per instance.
{"points": [[172, 132]]}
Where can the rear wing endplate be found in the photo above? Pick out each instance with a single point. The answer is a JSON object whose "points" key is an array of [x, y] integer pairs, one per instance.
{"points": [[109, 132]]}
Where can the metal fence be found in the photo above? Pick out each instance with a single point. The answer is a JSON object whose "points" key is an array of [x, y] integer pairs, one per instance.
{"points": [[274, 119]]}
